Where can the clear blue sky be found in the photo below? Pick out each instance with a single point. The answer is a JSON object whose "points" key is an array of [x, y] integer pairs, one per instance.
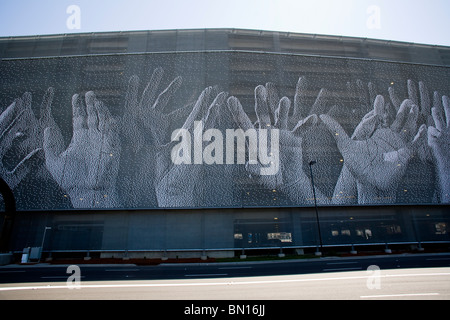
{"points": [[403, 20]]}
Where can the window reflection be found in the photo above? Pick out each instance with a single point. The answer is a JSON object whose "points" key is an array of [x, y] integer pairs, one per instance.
{"points": [[282, 236], [441, 228]]}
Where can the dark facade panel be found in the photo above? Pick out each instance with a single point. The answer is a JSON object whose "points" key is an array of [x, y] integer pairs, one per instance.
{"points": [[156, 233]]}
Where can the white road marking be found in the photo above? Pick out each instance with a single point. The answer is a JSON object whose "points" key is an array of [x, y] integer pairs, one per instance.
{"points": [[399, 295]]}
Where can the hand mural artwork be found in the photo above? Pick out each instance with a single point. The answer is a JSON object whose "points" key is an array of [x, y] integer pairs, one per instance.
{"points": [[87, 169], [166, 145], [178, 182], [21, 129], [273, 112], [439, 141], [378, 153], [145, 125]]}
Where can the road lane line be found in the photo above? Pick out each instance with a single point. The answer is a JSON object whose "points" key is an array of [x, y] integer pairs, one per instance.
{"points": [[399, 295]]}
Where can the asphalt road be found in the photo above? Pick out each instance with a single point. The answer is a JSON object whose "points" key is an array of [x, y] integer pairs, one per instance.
{"points": [[49, 273], [412, 276]]}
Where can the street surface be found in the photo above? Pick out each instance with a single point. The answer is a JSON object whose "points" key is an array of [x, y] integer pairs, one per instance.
{"points": [[409, 276]]}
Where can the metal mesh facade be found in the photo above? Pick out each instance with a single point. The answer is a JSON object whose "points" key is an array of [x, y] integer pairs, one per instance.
{"points": [[99, 121]]}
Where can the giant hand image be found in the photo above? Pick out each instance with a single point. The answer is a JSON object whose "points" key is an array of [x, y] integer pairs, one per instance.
{"points": [[379, 152], [121, 154], [87, 169], [274, 112], [439, 141], [145, 125], [180, 184], [21, 129]]}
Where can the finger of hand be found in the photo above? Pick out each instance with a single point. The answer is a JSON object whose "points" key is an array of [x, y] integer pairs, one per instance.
{"points": [[412, 92], [104, 116], [420, 136], [181, 113], [300, 99], [425, 101], [401, 116], [200, 108], [409, 129], [391, 113], [438, 118], [282, 113], [23, 167], [215, 91], [10, 115], [78, 113], [400, 157], [368, 115], [15, 176], [27, 114], [372, 92], [151, 90], [272, 99], [261, 108], [446, 104], [26, 100], [239, 115], [433, 134], [214, 109], [366, 127], [11, 131], [394, 98], [92, 118], [384, 111], [163, 99], [320, 105], [379, 106]]}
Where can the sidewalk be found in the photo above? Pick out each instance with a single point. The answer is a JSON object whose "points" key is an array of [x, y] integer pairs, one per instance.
{"points": [[231, 261]]}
